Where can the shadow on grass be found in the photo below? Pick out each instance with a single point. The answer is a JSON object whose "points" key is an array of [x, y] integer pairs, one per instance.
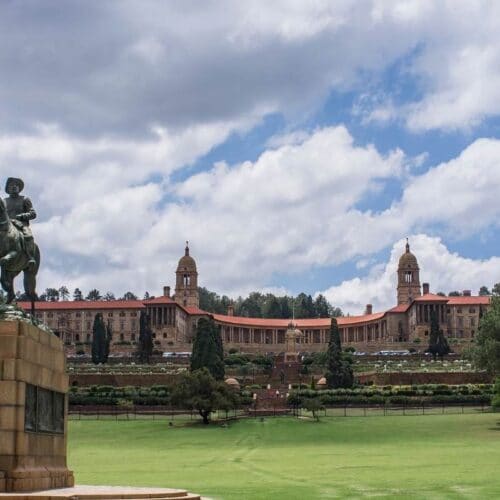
{"points": [[497, 428]]}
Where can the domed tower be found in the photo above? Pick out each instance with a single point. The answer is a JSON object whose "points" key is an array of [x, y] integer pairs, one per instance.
{"points": [[408, 277], [186, 283]]}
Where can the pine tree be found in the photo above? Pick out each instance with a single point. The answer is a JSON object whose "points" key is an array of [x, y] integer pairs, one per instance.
{"points": [[207, 349], [339, 369]]}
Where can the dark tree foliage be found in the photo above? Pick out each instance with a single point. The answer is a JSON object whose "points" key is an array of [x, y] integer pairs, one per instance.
{"points": [[260, 305], [484, 291], [322, 307], [63, 292], [109, 337], [100, 342], [211, 302], [129, 296], [438, 345], [145, 350], [200, 391], [486, 353], [207, 349], [94, 295], [454, 294], [272, 308], [52, 294], [77, 294], [339, 372], [496, 289]]}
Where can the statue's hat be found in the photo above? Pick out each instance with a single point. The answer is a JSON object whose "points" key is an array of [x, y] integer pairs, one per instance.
{"points": [[14, 180]]}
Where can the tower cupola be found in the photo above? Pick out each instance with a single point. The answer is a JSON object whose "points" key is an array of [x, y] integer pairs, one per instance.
{"points": [[186, 282], [408, 277]]}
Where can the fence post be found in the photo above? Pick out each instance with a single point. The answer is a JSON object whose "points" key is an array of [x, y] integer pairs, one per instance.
{"points": [[345, 411]]}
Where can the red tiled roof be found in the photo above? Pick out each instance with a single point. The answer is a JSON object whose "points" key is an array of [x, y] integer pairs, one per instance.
{"points": [[195, 310], [431, 297], [83, 304], [402, 308], [300, 323], [469, 300], [159, 300]]}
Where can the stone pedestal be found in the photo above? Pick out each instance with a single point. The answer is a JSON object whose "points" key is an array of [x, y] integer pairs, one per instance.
{"points": [[33, 409]]}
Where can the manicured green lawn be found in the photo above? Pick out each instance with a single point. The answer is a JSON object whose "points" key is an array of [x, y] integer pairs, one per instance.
{"points": [[417, 457]]}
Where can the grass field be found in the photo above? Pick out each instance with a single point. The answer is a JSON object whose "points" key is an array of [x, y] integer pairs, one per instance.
{"points": [[418, 457]]}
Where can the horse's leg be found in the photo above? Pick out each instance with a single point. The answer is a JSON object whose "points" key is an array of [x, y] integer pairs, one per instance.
{"points": [[7, 280], [30, 284]]}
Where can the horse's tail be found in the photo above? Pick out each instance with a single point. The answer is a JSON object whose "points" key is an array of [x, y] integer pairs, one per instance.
{"points": [[38, 259]]}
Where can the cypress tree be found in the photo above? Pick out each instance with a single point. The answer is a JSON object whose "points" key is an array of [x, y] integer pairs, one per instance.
{"points": [[208, 349], [438, 345], [339, 372], [145, 338], [98, 340]]}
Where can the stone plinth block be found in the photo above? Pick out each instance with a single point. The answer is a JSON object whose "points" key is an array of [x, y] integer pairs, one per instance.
{"points": [[33, 409]]}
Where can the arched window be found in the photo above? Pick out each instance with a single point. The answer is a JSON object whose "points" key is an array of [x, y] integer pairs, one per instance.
{"points": [[408, 276], [187, 280]]}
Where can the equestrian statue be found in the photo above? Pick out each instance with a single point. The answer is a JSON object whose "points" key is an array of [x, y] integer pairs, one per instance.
{"points": [[18, 250]]}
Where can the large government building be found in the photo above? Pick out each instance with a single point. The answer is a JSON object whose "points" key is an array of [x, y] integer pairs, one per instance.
{"points": [[174, 318]]}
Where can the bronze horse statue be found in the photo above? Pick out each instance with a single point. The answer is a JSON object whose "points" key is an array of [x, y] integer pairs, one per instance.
{"points": [[14, 259]]}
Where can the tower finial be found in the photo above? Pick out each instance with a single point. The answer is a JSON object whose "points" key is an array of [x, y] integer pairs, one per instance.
{"points": [[186, 250], [407, 246]]}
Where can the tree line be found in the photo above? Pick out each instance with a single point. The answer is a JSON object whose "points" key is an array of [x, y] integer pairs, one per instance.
{"points": [[260, 305]]}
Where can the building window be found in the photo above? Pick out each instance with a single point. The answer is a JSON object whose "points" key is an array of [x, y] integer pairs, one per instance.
{"points": [[50, 315], [110, 315], [133, 324], [408, 276], [133, 314], [88, 313], [448, 310], [122, 337], [77, 337], [426, 333], [88, 337], [473, 322], [78, 315], [164, 335], [122, 325], [132, 336], [460, 321], [472, 311], [88, 325], [122, 314], [459, 310]]}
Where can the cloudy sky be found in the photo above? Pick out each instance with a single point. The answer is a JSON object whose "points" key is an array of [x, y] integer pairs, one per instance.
{"points": [[294, 144]]}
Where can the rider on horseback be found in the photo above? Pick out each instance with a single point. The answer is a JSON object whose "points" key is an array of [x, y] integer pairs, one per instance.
{"points": [[21, 211]]}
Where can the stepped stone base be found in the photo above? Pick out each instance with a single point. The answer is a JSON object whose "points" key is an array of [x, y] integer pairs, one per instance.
{"points": [[103, 493]]}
